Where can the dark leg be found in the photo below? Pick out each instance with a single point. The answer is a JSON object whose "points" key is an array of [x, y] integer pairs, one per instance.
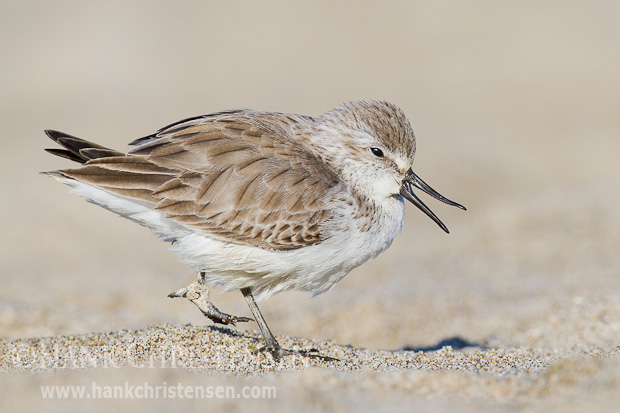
{"points": [[271, 344], [198, 293]]}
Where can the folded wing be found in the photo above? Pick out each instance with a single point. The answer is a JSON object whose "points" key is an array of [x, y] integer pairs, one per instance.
{"points": [[239, 178]]}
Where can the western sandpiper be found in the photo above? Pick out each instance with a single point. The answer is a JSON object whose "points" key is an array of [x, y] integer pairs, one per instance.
{"points": [[261, 202]]}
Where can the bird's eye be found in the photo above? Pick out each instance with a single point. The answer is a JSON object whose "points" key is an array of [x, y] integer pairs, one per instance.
{"points": [[377, 152]]}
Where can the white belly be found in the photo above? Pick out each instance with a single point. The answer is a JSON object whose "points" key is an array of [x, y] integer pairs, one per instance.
{"points": [[232, 266], [315, 269]]}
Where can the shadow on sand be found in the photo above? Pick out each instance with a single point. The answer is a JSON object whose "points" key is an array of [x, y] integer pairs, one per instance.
{"points": [[457, 343]]}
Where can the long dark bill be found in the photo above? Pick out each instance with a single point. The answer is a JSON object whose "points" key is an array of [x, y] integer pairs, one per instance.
{"points": [[406, 190]]}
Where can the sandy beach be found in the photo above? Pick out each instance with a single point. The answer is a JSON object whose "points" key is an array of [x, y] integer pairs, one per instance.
{"points": [[515, 113]]}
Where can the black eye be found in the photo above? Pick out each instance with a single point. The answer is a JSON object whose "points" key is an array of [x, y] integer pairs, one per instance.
{"points": [[377, 152]]}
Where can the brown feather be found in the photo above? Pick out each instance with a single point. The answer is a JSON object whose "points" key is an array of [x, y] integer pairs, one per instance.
{"points": [[240, 176]]}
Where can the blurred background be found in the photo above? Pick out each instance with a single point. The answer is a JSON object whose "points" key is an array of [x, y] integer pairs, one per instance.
{"points": [[516, 111]]}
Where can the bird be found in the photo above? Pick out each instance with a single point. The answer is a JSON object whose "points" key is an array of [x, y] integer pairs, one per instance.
{"points": [[261, 202]]}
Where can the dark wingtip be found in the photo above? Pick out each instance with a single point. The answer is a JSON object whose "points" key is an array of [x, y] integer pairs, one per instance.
{"points": [[77, 149], [64, 154], [54, 134]]}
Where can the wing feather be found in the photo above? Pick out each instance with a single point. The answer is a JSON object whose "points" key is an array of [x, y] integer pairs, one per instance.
{"points": [[244, 177]]}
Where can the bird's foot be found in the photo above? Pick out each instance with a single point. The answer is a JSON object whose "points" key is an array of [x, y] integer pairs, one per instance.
{"points": [[278, 352], [198, 293]]}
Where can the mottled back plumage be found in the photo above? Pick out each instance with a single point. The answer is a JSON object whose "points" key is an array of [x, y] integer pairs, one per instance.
{"points": [[242, 176]]}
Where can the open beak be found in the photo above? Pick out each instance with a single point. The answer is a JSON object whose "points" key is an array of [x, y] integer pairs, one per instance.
{"points": [[406, 190]]}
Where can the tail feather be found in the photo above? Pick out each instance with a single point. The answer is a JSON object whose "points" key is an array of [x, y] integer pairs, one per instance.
{"points": [[77, 149], [132, 177]]}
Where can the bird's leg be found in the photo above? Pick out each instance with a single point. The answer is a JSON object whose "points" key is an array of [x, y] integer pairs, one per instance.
{"points": [[271, 344], [198, 293]]}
